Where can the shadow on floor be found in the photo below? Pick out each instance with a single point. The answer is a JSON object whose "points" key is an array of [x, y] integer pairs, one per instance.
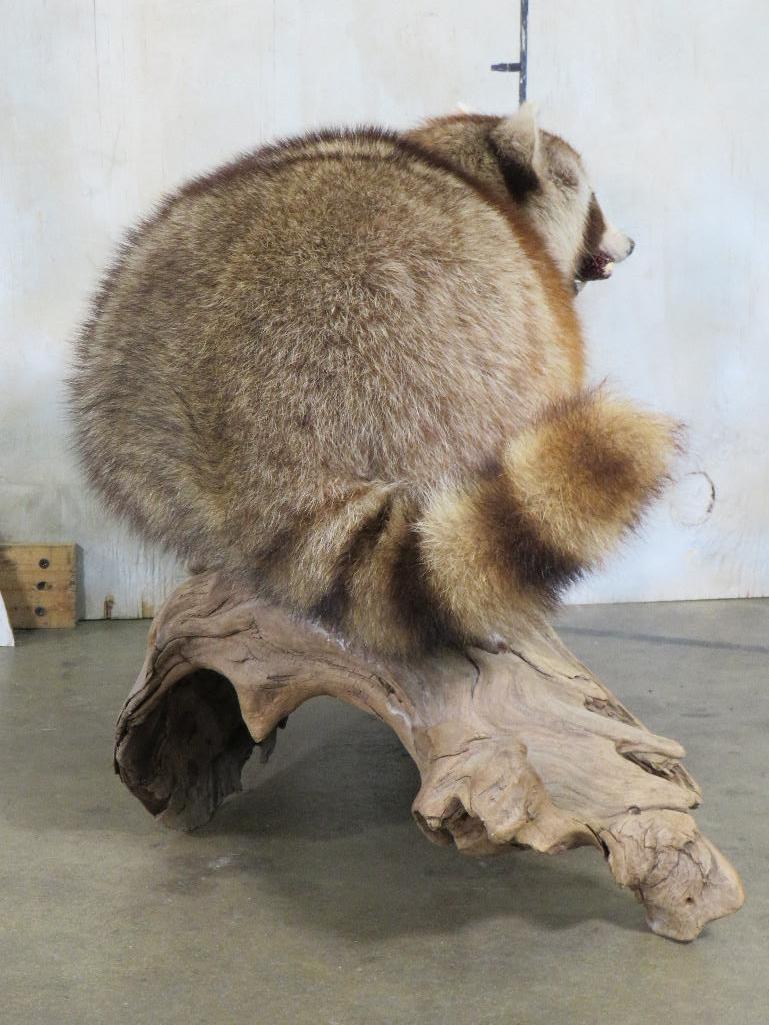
{"points": [[332, 839]]}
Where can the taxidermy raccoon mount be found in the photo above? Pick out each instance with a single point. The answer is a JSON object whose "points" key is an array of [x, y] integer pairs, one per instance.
{"points": [[348, 366]]}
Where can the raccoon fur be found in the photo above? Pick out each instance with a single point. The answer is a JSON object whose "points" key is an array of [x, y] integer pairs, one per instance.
{"points": [[349, 367]]}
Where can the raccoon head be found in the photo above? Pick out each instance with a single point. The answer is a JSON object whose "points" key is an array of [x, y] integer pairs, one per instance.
{"points": [[547, 179], [512, 158]]}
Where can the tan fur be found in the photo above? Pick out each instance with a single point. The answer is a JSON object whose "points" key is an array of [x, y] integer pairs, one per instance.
{"points": [[585, 470], [566, 489], [342, 364]]}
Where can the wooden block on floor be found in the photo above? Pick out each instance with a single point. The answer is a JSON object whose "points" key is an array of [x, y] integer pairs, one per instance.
{"points": [[37, 582]]}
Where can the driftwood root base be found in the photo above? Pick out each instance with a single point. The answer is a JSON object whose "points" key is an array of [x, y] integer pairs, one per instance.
{"points": [[520, 748]]}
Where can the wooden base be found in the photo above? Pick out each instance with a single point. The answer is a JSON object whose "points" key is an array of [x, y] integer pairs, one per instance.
{"points": [[519, 748]]}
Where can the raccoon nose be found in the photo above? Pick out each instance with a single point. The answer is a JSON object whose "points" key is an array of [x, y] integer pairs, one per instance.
{"points": [[631, 247]]}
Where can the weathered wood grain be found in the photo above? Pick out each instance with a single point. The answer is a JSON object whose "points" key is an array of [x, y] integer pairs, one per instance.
{"points": [[518, 748]]}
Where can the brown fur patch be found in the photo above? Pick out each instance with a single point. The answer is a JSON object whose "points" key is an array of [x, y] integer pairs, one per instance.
{"points": [[520, 179], [587, 470], [595, 226], [332, 606], [589, 266], [414, 597], [519, 546], [561, 302]]}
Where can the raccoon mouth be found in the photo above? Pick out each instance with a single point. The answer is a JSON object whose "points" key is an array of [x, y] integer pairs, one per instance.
{"points": [[596, 267]]}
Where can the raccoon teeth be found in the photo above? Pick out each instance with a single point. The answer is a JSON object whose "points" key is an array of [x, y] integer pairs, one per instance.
{"points": [[608, 268]]}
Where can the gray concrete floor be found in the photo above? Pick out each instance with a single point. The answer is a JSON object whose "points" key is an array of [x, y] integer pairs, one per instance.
{"points": [[312, 898]]}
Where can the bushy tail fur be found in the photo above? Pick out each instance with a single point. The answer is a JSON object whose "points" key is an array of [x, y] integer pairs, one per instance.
{"points": [[464, 564]]}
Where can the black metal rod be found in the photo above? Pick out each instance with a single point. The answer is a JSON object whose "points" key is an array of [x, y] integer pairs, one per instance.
{"points": [[520, 65], [524, 51]]}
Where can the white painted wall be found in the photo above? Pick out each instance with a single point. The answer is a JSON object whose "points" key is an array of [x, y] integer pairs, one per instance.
{"points": [[104, 105], [669, 103]]}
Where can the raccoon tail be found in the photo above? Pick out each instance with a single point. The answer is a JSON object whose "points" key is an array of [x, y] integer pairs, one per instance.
{"points": [[402, 574], [565, 491]]}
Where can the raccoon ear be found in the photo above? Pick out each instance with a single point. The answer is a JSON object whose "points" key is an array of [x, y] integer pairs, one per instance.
{"points": [[516, 145]]}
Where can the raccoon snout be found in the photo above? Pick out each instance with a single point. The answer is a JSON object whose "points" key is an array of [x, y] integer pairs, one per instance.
{"points": [[629, 247], [616, 245]]}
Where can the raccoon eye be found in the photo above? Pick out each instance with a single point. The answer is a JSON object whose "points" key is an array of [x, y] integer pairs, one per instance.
{"points": [[564, 177]]}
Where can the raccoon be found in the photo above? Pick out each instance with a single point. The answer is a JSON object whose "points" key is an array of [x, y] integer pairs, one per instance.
{"points": [[348, 367]]}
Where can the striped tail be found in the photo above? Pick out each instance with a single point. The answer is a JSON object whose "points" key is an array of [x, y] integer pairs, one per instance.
{"points": [[463, 565]]}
